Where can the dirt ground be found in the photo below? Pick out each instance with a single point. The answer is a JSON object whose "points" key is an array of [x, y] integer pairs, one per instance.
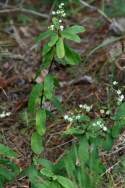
{"points": [[19, 60]]}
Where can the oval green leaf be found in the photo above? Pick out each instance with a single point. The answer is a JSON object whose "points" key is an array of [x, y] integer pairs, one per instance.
{"points": [[71, 36], [65, 182], [6, 151], [53, 40], [35, 93], [36, 143], [41, 122], [60, 48], [75, 29]]}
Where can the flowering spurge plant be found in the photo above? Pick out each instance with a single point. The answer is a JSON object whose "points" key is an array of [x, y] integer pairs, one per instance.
{"points": [[81, 165], [93, 136], [56, 49]]}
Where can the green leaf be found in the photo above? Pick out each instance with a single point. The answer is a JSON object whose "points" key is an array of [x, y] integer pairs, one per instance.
{"points": [[2, 182], [54, 184], [32, 174], [108, 142], [35, 93], [44, 162], [60, 51], [120, 114], [53, 40], [10, 165], [47, 172], [43, 36], [6, 151], [116, 130], [6, 174], [48, 86], [42, 185], [95, 163], [74, 131], [36, 143], [71, 56], [57, 103], [47, 59], [70, 36], [55, 22], [41, 122], [65, 182], [83, 150], [75, 29], [46, 49]]}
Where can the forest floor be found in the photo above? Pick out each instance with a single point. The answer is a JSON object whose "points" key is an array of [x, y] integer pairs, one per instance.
{"points": [[19, 60]]}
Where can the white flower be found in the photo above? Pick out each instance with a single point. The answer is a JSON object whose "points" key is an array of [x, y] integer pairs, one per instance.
{"points": [[81, 106], [101, 125], [107, 112], [70, 119], [77, 117], [102, 111], [61, 27], [58, 12], [66, 117], [94, 124], [60, 21], [51, 27], [98, 122], [85, 107], [115, 83], [62, 11], [121, 97], [88, 108], [62, 4], [119, 92], [53, 13], [64, 14], [5, 114], [105, 128]]}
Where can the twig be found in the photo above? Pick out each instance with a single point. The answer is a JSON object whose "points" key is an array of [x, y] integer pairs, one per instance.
{"points": [[81, 79], [4, 92], [110, 168], [96, 9], [17, 36], [11, 55], [23, 10]]}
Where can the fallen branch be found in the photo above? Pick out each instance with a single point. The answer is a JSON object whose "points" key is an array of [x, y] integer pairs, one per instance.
{"points": [[96, 9], [81, 79], [23, 10]]}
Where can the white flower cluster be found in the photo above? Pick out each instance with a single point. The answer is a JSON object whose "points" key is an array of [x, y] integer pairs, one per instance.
{"points": [[71, 118], [5, 114], [59, 14], [68, 118], [85, 107], [51, 27], [119, 93], [100, 124], [107, 112], [120, 97], [115, 83]]}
